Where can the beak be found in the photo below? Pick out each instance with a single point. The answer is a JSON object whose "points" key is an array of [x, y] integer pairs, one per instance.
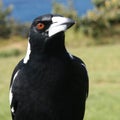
{"points": [[59, 24]]}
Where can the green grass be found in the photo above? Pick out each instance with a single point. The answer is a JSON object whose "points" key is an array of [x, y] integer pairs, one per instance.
{"points": [[6, 67], [103, 63]]}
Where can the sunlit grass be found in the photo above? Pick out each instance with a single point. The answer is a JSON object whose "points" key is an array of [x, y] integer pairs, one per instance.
{"points": [[103, 63], [6, 67], [103, 102]]}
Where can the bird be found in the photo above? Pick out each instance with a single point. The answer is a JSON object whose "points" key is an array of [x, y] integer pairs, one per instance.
{"points": [[49, 83]]}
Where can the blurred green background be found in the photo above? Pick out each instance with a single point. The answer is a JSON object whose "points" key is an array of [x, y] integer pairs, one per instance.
{"points": [[95, 38]]}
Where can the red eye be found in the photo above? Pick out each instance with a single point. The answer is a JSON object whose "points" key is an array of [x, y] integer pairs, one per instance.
{"points": [[40, 26]]}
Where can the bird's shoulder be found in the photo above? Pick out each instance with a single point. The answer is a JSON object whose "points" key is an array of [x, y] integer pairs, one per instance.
{"points": [[78, 62], [18, 67], [12, 99], [79, 68], [80, 73]]}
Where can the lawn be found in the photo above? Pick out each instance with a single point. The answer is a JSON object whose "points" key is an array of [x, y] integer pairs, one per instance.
{"points": [[103, 63]]}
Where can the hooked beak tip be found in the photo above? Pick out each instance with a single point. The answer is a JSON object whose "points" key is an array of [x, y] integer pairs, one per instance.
{"points": [[70, 23]]}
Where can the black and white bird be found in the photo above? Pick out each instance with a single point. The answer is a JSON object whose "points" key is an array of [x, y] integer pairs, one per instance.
{"points": [[49, 83]]}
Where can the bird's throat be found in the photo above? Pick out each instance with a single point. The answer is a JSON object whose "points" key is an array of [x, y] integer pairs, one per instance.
{"points": [[54, 46]]}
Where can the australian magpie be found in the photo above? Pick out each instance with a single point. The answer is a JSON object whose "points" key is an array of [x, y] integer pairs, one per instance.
{"points": [[49, 83]]}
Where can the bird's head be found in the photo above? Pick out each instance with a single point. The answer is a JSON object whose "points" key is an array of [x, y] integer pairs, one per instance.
{"points": [[48, 28]]}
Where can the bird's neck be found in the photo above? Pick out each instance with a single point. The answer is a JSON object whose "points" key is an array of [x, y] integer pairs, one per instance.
{"points": [[53, 47], [56, 45]]}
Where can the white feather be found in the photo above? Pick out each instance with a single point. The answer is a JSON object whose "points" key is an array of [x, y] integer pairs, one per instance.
{"points": [[11, 94], [83, 65], [70, 55], [27, 57], [12, 110]]}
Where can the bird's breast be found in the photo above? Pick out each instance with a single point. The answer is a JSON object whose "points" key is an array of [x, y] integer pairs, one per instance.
{"points": [[42, 78]]}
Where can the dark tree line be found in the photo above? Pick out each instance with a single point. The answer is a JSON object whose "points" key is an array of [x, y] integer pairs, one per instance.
{"points": [[8, 26]]}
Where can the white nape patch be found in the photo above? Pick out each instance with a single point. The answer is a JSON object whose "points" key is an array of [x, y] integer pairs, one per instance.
{"points": [[27, 57], [11, 94], [58, 25]]}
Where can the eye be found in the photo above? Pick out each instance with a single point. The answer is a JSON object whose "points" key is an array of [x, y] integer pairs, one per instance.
{"points": [[40, 26]]}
